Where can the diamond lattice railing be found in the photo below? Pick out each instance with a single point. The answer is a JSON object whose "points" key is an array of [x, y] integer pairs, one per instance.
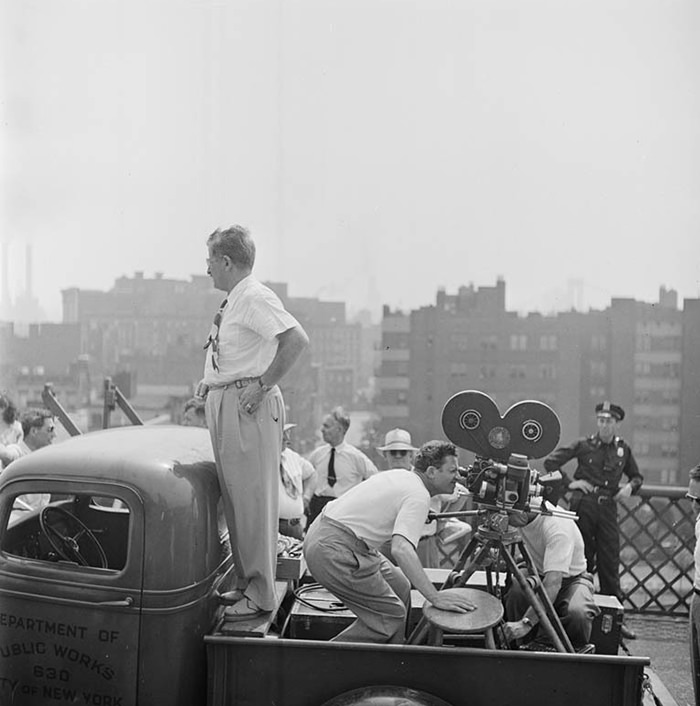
{"points": [[656, 559], [657, 540]]}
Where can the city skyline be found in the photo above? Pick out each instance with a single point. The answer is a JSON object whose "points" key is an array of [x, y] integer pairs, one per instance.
{"points": [[570, 296], [377, 151]]}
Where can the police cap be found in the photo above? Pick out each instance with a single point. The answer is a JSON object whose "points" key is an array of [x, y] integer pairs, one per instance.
{"points": [[609, 409]]}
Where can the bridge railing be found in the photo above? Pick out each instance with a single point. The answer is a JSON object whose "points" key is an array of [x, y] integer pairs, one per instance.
{"points": [[657, 541]]}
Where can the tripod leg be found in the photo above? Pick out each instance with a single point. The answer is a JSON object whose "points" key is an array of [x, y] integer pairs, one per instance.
{"points": [[466, 553], [539, 601], [476, 561]]}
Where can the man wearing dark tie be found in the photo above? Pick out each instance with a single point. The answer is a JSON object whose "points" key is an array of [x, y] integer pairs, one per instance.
{"points": [[339, 466]]}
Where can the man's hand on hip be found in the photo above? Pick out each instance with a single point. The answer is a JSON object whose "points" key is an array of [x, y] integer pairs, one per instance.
{"points": [[582, 485], [251, 397]]}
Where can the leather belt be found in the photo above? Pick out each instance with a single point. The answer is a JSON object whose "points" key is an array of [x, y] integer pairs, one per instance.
{"points": [[244, 382], [602, 499]]}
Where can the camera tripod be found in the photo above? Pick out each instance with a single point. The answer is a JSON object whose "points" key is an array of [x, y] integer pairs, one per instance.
{"points": [[492, 545]]}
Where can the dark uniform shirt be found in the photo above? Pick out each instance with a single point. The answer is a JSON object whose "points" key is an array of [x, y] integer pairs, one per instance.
{"points": [[599, 463]]}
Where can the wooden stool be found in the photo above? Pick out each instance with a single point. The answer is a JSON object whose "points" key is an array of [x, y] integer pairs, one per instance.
{"points": [[488, 613]]}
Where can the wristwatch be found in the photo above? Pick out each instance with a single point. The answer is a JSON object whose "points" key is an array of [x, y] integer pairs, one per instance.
{"points": [[526, 621], [263, 386]]}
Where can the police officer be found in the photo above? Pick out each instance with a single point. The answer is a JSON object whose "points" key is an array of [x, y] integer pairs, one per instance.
{"points": [[602, 461]]}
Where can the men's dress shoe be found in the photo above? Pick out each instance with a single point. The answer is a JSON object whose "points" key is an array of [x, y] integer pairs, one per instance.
{"points": [[626, 633], [230, 597], [245, 609]]}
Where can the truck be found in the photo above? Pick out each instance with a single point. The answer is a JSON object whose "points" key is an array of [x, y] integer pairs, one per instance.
{"points": [[112, 561]]}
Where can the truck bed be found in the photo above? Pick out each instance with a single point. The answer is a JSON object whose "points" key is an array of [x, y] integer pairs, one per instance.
{"points": [[286, 672]]}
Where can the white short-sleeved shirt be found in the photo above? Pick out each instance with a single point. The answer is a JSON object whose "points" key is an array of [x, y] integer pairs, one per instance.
{"points": [[298, 470], [15, 451], [12, 434], [250, 323], [389, 503], [556, 544]]}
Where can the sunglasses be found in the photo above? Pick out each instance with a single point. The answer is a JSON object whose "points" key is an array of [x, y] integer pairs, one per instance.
{"points": [[398, 453], [693, 498]]}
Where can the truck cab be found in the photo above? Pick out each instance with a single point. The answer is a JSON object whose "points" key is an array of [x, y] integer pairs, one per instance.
{"points": [[110, 560]]}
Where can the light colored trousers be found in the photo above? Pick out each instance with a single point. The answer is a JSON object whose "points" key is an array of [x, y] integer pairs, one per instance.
{"points": [[375, 590], [247, 450]]}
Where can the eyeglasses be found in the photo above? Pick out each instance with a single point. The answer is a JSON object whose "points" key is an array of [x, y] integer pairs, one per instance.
{"points": [[693, 498], [398, 453], [213, 338], [213, 258]]}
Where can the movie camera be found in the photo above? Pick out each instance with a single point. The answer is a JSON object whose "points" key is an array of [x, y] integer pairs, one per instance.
{"points": [[500, 477], [502, 482], [511, 485]]}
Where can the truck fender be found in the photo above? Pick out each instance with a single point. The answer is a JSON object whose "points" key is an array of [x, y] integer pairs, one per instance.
{"points": [[385, 696]]}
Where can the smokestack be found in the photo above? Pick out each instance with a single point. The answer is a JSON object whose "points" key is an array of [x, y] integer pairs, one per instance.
{"points": [[28, 276]]}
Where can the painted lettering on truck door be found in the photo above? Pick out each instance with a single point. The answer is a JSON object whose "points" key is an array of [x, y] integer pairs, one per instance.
{"points": [[71, 574]]}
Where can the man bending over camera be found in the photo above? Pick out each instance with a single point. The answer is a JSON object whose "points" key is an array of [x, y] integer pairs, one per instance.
{"points": [[341, 545]]}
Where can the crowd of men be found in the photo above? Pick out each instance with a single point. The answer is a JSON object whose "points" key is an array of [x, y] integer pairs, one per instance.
{"points": [[365, 532]]}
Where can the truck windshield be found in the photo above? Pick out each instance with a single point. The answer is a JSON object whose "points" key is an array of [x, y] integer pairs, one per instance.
{"points": [[86, 530]]}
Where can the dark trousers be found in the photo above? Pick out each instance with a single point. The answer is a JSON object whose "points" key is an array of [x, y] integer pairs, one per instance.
{"points": [[574, 604], [601, 535], [292, 528], [316, 504]]}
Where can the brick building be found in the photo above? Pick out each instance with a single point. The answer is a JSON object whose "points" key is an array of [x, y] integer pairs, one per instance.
{"points": [[642, 356]]}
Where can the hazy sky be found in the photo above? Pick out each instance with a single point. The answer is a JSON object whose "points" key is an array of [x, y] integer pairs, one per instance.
{"points": [[377, 150]]}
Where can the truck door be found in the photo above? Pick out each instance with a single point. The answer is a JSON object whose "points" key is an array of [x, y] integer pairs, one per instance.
{"points": [[71, 581]]}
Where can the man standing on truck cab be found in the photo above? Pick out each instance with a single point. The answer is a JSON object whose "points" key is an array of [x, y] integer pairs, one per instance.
{"points": [[252, 343], [341, 547]]}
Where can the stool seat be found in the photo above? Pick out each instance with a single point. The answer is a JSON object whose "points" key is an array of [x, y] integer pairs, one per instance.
{"points": [[488, 613]]}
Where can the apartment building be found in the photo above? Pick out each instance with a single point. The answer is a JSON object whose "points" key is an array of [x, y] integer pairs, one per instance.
{"points": [[643, 356]]}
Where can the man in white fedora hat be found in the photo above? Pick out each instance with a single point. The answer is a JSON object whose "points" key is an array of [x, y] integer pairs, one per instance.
{"points": [[398, 450]]}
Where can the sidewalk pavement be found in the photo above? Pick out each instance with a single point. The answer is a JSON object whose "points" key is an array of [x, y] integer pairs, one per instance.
{"points": [[665, 641]]}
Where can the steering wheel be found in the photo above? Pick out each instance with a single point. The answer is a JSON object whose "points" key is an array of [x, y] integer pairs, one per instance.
{"points": [[66, 545]]}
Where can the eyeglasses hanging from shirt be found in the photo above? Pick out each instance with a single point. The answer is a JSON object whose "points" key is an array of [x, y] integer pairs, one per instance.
{"points": [[213, 339]]}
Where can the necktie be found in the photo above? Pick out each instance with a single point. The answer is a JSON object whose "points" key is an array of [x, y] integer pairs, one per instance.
{"points": [[213, 339], [331, 468]]}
